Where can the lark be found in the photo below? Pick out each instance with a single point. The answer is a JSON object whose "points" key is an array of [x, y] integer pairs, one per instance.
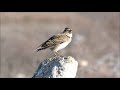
{"points": [[57, 42]]}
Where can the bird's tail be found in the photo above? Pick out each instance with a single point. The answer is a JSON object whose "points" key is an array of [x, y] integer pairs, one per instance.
{"points": [[38, 49]]}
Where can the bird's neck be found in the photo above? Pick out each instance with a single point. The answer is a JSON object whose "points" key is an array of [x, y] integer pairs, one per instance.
{"points": [[69, 35]]}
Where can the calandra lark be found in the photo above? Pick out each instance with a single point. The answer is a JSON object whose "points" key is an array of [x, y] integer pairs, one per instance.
{"points": [[57, 42]]}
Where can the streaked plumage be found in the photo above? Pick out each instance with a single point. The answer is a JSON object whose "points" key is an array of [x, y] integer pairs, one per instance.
{"points": [[57, 42]]}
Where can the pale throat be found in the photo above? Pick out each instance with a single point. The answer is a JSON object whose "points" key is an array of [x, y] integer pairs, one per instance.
{"points": [[70, 35]]}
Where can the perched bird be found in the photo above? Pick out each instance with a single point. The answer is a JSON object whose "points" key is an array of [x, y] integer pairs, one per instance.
{"points": [[57, 42]]}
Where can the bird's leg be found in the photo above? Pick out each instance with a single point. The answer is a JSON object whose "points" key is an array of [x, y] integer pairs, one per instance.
{"points": [[59, 54], [55, 53]]}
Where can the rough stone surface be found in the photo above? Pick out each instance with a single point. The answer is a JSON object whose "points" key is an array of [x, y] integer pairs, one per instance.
{"points": [[57, 67]]}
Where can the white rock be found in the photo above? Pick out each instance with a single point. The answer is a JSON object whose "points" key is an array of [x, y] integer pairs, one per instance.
{"points": [[57, 67]]}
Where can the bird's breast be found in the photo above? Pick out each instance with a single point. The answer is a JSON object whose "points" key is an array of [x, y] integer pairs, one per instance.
{"points": [[61, 46]]}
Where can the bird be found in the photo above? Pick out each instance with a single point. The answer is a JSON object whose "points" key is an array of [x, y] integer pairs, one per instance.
{"points": [[57, 42]]}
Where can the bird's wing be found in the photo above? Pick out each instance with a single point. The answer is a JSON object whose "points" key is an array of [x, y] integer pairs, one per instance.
{"points": [[55, 40]]}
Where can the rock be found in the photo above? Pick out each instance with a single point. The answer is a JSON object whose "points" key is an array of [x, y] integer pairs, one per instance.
{"points": [[57, 67]]}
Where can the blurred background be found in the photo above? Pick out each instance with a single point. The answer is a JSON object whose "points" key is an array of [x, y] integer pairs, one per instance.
{"points": [[95, 43]]}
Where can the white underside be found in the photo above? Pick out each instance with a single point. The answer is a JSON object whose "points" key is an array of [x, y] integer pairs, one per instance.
{"points": [[61, 46]]}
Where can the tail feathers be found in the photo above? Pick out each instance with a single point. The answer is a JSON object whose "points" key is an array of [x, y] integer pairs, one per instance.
{"points": [[38, 49]]}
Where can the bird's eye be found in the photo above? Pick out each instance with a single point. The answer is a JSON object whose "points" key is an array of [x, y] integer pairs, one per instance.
{"points": [[65, 30]]}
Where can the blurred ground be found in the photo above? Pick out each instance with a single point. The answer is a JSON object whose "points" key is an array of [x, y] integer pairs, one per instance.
{"points": [[95, 43]]}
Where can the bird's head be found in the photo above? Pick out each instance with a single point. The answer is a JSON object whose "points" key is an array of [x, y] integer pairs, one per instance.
{"points": [[68, 31]]}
